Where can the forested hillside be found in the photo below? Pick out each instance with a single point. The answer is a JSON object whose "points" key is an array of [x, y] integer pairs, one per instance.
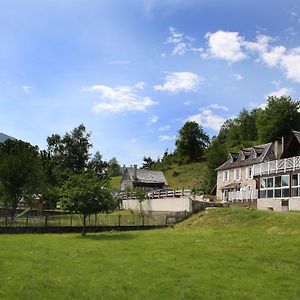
{"points": [[196, 157]]}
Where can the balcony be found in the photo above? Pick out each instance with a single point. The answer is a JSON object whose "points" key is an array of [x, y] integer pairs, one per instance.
{"points": [[242, 195], [277, 166]]}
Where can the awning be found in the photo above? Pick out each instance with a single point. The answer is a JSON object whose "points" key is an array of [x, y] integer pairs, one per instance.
{"points": [[232, 186]]}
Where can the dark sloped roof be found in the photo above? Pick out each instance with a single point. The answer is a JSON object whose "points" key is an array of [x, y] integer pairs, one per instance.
{"points": [[297, 135], [147, 176], [264, 151]]}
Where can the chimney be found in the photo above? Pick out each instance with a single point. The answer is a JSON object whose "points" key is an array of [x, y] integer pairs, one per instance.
{"points": [[135, 172], [278, 148]]}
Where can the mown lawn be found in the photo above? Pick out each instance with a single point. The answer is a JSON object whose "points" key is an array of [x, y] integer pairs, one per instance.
{"points": [[224, 254]]}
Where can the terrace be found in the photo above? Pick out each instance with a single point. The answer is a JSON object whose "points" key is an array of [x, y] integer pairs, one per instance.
{"points": [[277, 166]]}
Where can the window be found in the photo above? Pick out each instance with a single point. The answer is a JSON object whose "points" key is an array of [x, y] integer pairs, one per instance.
{"points": [[249, 174], [295, 185], [277, 186], [237, 174], [225, 175]]}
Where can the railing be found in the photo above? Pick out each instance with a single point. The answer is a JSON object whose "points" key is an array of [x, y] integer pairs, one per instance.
{"points": [[277, 166], [243, 195], [158, 194]]}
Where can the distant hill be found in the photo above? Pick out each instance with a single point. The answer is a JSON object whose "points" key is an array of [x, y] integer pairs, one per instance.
{"points": [[178, 177], [4, 137]]}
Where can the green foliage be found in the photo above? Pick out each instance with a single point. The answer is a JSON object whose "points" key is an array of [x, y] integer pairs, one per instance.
{"points": [[191, 142], [114, 169], [21, 174], [280, 116], [71, 152], [98, 166], [86, 194]]}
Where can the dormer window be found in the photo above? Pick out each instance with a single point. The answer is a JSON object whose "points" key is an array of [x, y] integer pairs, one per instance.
{"points": [[242, 156]]}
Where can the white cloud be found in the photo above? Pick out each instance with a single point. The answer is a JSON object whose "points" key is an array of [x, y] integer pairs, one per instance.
{"points": [[167, 137], [261, 45], [27, 89], [291, 64], [133, 141], [238, 76], [180, 82], [152, 120], [164, 128], [181, 43], [208, 119], [122, 98], [215, 106], [258, 105], [231, 46], [226, 45], [274, 56], [281, 92]]}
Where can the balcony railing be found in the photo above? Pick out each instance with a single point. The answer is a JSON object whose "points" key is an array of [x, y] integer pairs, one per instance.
{"points": [[277, 166], [243, 195]]}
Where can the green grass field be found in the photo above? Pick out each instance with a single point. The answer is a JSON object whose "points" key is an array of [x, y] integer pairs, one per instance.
{"points": [[224, 254]]}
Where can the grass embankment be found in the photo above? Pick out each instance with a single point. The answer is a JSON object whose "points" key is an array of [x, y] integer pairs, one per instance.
{"points": [[178, 177], [224, 254]]}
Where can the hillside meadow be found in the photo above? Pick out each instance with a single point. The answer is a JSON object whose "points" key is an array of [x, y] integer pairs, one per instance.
{"points": [[178, 176], [229, 253]]}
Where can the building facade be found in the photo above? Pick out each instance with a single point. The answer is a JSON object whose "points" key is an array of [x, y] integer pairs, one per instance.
{"points": [[235, 180], [268, 174]]}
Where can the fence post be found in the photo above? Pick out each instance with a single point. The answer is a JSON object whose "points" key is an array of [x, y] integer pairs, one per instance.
{"points": [[6, 221], [27, 220], [71, 220], [119, 220], [143, 220], [46, 220]]}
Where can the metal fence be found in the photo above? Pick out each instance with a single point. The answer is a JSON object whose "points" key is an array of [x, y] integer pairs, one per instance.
{"points": [[76, 220]]}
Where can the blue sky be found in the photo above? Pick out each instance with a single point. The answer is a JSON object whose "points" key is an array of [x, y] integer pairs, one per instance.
{"points": [[134, 71]]}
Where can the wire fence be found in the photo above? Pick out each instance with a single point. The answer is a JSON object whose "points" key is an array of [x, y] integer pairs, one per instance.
{"points": [[76, 220]]}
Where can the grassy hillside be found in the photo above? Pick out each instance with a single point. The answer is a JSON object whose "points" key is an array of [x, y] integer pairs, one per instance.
{"points": [[224, 254], [185, 176], [178, 177], [115, 183]]}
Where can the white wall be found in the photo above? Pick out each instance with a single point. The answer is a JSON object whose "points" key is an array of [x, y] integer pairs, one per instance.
{"points": [[294, 204], [275, 203], [164, 204]]}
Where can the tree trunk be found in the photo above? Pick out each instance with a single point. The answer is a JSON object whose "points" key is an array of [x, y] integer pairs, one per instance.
{"points": [[14, 205], [84, 225]]}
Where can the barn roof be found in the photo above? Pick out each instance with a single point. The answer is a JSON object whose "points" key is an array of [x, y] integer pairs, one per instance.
{"points": [[147, 176]]}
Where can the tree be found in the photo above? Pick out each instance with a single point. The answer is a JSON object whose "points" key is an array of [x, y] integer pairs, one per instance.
{"points": [[86, 194], [148, 162], [191, 142], [114, 169], [280, 116], [98, 166], [71, 152], [21, 173]]}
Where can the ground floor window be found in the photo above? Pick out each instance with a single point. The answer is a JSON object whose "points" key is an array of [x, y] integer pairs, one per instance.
{"points": [[274, 186]]}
